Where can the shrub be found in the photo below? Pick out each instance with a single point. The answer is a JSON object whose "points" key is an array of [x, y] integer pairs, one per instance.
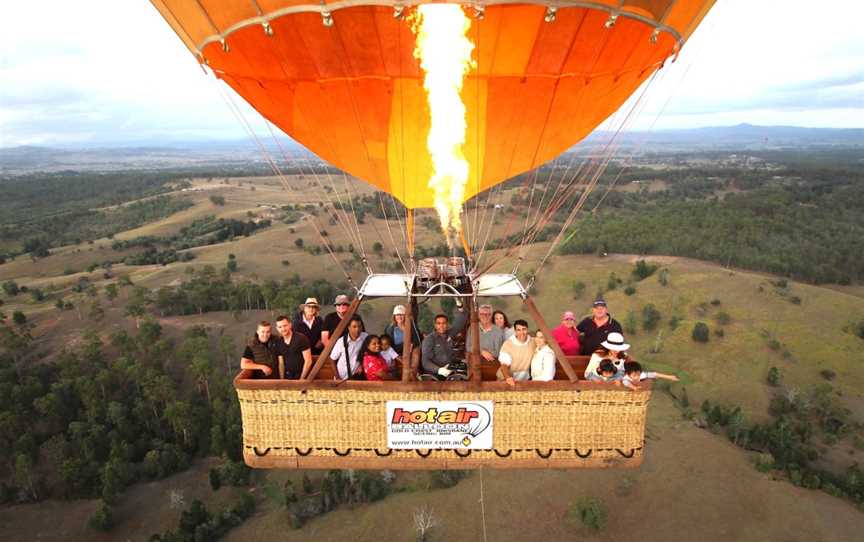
{"points": [[701, 333], [719, 332], [442, 479], [773, 377], [650, 317], [630, 323], [102, 519], [715, 302], [643, 270], [674, 321], [663, 277], [827, 374], [591, 512], [215, 480], [629, 290], [578, 288], [723, 318]]}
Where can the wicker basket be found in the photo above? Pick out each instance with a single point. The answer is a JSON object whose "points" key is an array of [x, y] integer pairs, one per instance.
{"points": [[324, 424]]}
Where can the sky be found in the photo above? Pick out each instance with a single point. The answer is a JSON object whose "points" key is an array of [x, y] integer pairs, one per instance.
{"points": [[99, 72]]}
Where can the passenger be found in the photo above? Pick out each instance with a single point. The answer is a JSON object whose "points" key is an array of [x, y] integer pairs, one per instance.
{"points": [[259, 355], [543, 361], [395, 330], [294, 349], [491, 336], [374, 365], [516, 354], [345, 352], [500, 320], [390, 355], [437, 346], [332, 320], [607, 373], [613, 348], [633, 375], [310, 324], [596, 327], [567, 335]]}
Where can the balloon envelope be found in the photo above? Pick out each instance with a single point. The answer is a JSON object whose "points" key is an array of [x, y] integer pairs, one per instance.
{"points": [[352, 92]]}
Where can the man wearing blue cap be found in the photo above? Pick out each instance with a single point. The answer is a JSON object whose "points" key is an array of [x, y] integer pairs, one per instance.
{"points": [[597, 327]]}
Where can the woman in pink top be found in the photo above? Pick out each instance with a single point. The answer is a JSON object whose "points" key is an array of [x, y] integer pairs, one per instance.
{"points": [[374, 364], [567, 335]]}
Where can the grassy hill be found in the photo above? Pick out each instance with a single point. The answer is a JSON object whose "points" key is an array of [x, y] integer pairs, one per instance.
{"points": [[693, 484]]}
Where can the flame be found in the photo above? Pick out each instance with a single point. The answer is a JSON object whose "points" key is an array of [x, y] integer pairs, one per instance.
{"points": [[444, 52]]}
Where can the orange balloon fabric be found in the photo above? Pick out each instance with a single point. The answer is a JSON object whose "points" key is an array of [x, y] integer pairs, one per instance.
{"points": [[352, 92]]}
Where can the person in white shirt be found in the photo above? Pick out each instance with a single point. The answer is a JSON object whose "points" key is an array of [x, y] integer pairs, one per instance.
{"points": [[633, 375], [543, 360], [613, 348], [346, 349], [515, 355]]}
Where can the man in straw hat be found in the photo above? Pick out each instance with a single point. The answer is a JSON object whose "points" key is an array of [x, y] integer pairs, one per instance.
{"points": [[310, 324], [597, 327]]}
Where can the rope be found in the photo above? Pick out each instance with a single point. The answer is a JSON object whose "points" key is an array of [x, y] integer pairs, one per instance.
{"points": [[482, 505], [245, 123]]}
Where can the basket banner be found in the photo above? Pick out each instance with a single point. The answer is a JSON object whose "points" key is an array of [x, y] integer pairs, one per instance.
{"points": [[439, 425]]}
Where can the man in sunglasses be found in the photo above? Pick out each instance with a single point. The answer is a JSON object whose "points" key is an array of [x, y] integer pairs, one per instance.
{"points": [[332, 320]]}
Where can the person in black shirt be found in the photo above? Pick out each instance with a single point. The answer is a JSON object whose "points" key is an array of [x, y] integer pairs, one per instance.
{"points": [[294, 349], [259, 355], [332, 320], [310, 324], [596, 328]]}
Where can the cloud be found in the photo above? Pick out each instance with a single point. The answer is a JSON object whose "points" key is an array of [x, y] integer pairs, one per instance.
{"points": [[120, 73]]}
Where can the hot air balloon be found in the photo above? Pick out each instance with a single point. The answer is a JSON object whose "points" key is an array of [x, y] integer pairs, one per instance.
{"points": [[345, 80]]}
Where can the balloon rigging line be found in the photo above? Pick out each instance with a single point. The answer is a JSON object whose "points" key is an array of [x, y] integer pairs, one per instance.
{"points": [[244, 122], [314, 176], [690, 63], [323, 191]]}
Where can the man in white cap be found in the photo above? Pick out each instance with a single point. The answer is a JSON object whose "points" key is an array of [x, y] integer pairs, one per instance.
{"points": [[308, 323], [332, 320]]}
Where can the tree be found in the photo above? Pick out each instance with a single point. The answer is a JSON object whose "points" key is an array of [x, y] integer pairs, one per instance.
{"points": [[217, 200], [298, 242], [102, 519], [111, 291], [24, 475], [650, 317], [773, 377], [578, 288], [136, 310], [701, 333], [37, 294], [424, 522], [229, 350], [19, 318], [231, 266], [631, 323], [10, 287], [377, 247]]}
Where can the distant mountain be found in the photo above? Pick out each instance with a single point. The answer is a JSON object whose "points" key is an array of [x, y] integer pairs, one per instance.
{"points": [[741, 136], [202, 153]]}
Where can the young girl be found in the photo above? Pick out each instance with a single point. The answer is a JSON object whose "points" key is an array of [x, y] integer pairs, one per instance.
{"points": [[543, 362], [373, 364], [606, 372], [391, 356]]}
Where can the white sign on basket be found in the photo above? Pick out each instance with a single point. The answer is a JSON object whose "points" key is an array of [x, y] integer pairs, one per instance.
{"points": [[425, 425]]}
